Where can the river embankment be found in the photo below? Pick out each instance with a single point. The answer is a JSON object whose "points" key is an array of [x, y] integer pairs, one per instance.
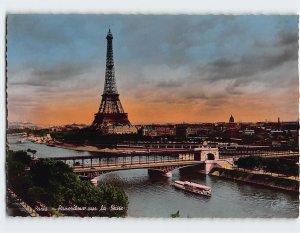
{"points": [[84, 148], [258, 179]]}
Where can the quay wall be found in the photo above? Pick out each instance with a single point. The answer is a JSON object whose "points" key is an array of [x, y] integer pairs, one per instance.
{"points": [[259, 179]]}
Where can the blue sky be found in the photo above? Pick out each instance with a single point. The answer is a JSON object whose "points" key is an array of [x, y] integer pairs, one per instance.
{"points": [[211, 66]]}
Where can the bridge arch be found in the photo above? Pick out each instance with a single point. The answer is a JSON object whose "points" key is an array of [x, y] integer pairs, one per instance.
{"points": [[210, 156], [208, 153]]}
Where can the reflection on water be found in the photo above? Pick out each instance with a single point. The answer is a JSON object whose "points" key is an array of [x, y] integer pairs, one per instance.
{"points": [[153, 196]]}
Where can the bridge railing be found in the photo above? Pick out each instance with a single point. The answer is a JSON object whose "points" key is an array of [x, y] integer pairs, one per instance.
{"points": [[132, 164], [124, 160], [262, 153]]}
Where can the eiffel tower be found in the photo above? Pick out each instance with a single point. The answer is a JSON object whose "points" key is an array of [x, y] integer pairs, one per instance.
{"points": [[111, 112]]}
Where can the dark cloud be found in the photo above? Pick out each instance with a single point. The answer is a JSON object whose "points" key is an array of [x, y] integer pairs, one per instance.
{"points": [[233, 89], [283, 38], [251, 64], [52, 76], [170, 83], [287, 38], [60, 72], [196, 96], [168, 43], [216, 103], [34, 83]]}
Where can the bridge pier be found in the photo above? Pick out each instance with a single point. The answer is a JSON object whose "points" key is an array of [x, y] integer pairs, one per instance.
{"points": [[209, 165], [221, 163], [160, 172]]}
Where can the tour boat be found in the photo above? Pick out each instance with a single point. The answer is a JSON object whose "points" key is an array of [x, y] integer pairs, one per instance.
{"points": [[193, 187]]}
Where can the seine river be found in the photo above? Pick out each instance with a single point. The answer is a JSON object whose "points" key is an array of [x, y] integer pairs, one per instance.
{"points": [[155, 197]]}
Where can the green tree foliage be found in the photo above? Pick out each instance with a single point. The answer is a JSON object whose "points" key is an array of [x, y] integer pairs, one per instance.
{"points": [[19, 156], [114, 196], [64, 188], [268, 164], [54, 184], [276, 166], [36, 193], [175, 215], [272, 165], [16, 164], [37, 132], [15, 169], [47, 172], [91, 136], [231, 173], [22, 184], [250, 162]]}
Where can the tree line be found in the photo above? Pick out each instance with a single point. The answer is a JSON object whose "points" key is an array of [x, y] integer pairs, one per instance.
{"points": [[272, 165], [91, 136]]}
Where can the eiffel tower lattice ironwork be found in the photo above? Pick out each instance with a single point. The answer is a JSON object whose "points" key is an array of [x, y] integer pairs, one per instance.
{"points": [[110, 111]]}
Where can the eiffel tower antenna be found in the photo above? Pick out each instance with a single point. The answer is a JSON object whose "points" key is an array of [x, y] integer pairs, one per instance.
{"points": [[111, 112]]}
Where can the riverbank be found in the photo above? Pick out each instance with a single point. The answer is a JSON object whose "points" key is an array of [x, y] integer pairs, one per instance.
{"points": [[84, 148], [259, 179]]}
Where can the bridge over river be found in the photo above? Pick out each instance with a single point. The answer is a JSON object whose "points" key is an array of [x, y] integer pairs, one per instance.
{"points": [[161, 161]]}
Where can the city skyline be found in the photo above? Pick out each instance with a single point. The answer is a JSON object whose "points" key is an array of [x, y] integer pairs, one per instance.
{"points": [[178, 68], [225, 121]]}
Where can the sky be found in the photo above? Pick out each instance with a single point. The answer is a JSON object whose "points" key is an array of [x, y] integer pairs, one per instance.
{"points": [[169, 68]]}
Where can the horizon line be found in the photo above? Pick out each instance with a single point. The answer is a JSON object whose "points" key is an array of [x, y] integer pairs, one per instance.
{"points": [[161, 123]]}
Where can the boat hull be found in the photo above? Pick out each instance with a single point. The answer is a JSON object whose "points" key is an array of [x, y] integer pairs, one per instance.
{"points": [[203, 193], [160, 173]]}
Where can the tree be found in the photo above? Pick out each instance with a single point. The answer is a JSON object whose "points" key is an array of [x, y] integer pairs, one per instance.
{"points": [[54, 183], [46, 170], [20, 156], [272, 165], [16, 164], [114, 196], [36, 193], [249, 162], [22, 184], [14, 169], [32, 151], [175, 215]]}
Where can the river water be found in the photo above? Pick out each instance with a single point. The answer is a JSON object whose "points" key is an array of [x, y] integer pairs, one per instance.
{"points": [[153, 196]]}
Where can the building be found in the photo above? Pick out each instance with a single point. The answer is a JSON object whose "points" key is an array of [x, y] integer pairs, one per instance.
{"points": [[188, 130], [119, 129], [158, 130], [22, 125], [111, 115]]}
